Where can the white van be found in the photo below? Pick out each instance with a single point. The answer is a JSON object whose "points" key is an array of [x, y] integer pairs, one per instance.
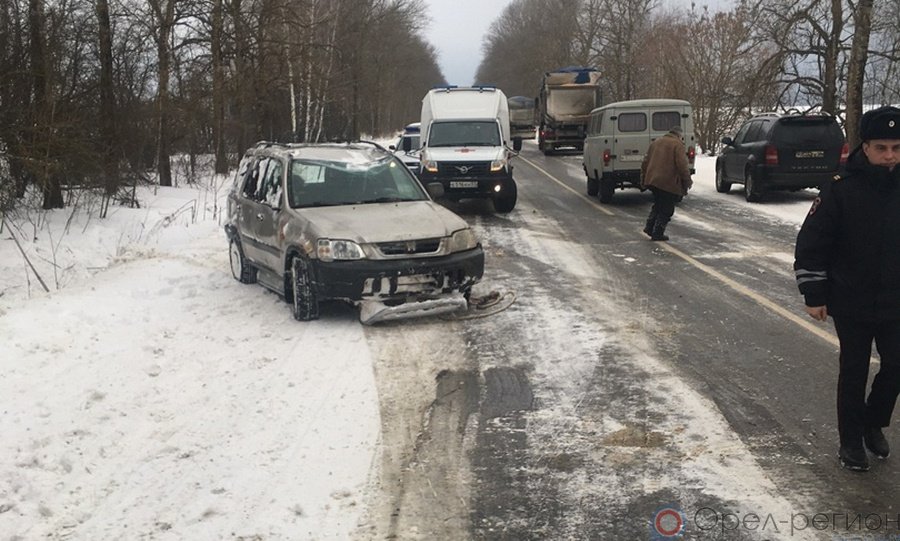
{"points": [[619, 135], [466, 144]]}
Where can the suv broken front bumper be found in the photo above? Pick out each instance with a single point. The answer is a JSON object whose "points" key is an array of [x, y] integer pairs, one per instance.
{"points": [[399, 279]]}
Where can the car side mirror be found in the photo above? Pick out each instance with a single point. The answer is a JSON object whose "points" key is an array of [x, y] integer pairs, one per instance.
{"points": [[728, 141], [392, 147], [435, 190], [517, 143], [407, 144]]}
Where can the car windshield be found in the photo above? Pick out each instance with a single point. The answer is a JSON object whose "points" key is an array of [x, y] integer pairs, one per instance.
{"points": [[320, 183], [413, 139], [464, 133]]}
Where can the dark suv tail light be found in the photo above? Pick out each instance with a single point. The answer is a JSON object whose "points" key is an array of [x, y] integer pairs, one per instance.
{"points": [[771, 155], [845, 153], [606, 157]]}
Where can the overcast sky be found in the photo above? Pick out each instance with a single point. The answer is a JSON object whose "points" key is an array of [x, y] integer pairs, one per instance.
{"points": [[457, 28]]}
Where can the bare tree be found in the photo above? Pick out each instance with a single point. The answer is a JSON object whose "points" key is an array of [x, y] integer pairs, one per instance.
{"points": [[859, 52], [164, 22], [107, 101]]}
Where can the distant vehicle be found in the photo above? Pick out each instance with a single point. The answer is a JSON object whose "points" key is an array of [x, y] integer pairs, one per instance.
{"points": [[411, 138], [619, 135], [521, 117], [465, 144], [567, 97], [781, 152], [317, 222]]}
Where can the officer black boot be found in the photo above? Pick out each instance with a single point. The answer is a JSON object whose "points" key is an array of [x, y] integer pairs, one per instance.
{"points": [[853, 458], [877, 443], [651, 221], [659, 229]]}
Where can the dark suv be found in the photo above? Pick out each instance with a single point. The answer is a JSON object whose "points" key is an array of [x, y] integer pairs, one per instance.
{"points": [[781, 152]]}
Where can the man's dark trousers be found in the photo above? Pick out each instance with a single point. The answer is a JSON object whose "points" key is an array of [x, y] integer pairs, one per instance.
{"points": [[855, 413], [663, 203]]}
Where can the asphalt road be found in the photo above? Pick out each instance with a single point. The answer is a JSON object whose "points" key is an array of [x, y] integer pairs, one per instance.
{"points": [[628, 376]]}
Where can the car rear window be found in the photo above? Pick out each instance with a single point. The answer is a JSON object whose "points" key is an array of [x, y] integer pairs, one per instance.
{"points": [[666, 120], [630, 122], [808, 131]]}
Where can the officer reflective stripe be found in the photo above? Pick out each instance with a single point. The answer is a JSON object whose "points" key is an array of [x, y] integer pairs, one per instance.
{"points": [[804, 276]]}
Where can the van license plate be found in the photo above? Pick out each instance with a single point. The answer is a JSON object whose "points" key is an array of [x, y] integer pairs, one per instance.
{"points": [[809, 154], [631, 158], [463, 183]]}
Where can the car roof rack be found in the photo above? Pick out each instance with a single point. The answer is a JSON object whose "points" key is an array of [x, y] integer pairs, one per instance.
{"points": [[266, 144]]}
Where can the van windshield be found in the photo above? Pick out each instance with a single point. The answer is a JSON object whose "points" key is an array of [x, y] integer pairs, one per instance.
{"points": [[472, 133]]}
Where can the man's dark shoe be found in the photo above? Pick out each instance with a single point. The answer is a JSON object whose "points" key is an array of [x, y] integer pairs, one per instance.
{"points": [[648, 227], [854, 458], [877, 443]]}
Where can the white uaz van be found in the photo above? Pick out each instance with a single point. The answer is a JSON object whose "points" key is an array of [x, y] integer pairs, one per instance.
{"points": [[619, 135]]}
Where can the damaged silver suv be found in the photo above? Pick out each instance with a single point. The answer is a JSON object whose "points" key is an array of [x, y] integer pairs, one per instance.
{"points": [[349, 222]]}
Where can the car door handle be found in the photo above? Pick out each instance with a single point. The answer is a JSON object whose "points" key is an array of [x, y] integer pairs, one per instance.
{"points": [[259, 217]]}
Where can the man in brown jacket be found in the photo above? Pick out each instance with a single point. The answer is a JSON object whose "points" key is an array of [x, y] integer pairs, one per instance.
{"points": [[666, 173]]}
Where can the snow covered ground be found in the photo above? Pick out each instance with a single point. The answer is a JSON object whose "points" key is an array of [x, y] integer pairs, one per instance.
{"points": [[150, 395]]}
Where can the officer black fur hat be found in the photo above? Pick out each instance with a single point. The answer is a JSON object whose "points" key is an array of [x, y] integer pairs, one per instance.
{"points": [[881, 123]]}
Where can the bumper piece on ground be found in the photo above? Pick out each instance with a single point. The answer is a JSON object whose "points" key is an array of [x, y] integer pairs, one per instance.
{"points": [[372, 311]]}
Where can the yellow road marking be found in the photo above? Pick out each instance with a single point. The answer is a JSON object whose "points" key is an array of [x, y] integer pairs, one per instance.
{"points": [[747, 292], [739, 288]]}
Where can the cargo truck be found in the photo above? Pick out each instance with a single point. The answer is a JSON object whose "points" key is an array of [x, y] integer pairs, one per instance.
{"points": [[567, 97]]}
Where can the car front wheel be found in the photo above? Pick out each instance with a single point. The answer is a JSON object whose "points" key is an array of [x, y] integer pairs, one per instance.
{"points": [[306, 304], [507, 202]]}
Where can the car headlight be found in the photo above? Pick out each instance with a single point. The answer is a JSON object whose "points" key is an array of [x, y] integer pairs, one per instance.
{"points": [[464, 239], [498, 165], [338, 250], [430, 166]]}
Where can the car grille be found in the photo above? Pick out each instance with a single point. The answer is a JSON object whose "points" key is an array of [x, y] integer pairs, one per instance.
{"points": [[463, 169], [410, 247]]}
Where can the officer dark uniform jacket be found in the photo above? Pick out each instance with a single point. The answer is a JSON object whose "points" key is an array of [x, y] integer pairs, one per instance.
{"points": [[847, 259], [848, 251]]}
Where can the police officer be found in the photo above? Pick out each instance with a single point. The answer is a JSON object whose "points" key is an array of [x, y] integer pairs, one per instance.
{"points": [[847, 263]]}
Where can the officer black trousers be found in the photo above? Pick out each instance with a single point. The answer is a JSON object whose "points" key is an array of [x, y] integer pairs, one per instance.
{"points": [[855, 411]]}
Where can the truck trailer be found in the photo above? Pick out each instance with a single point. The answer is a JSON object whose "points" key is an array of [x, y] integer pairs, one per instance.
{"points": [[567, 97], [521, 116]]}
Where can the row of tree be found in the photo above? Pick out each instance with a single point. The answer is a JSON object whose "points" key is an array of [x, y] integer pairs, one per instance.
{"points": [[96, 91], [830, 55]]}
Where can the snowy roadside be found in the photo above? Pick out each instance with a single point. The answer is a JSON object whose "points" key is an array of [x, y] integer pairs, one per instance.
{"points": [[154, 396]]}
